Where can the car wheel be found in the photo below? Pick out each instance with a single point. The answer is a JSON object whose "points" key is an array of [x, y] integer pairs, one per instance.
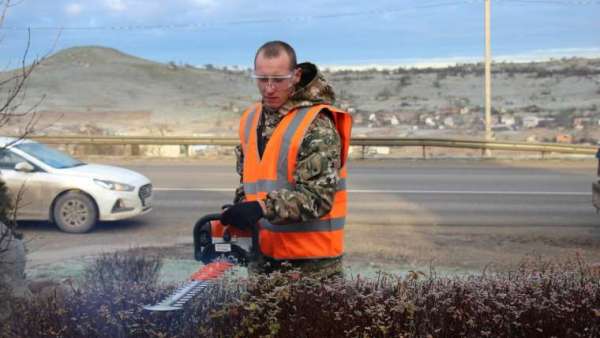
{"points": [[75, 212]]}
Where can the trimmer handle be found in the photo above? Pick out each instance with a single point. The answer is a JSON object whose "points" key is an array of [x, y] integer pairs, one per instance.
{"points": [[243, 248], [203, 237]]}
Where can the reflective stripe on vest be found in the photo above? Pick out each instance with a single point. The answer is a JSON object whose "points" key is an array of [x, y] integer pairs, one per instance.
{"points": [[317, 225], [318, 238], [270, 185]]}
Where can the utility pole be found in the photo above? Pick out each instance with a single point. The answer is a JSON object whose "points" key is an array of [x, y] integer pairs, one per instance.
{"points": [[488, 77]]}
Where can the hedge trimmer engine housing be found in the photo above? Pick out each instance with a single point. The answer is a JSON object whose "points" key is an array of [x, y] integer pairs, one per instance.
{"points": [[213, 240]]}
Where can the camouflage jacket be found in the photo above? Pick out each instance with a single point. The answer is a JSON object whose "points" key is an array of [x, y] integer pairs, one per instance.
{"points": [[318, 162]]}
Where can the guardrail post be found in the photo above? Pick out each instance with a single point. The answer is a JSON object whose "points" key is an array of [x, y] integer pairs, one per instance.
{"points": [[363, 152], [424, 152], [134, 149], [184, 149]]}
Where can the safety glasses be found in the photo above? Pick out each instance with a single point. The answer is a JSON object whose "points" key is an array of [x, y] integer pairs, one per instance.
{"points": [[277, 81]]}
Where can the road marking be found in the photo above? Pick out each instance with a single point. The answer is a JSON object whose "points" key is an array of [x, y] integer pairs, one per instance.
{"points": [[196, 189], [413, 192]]}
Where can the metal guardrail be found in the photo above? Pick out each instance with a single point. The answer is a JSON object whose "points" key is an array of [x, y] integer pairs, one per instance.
{"points": [[137, 140], [364, 142], [476, 144]]}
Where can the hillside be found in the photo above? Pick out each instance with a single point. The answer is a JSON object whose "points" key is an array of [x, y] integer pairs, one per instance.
{"points": [[113, 92], [101, 86]]}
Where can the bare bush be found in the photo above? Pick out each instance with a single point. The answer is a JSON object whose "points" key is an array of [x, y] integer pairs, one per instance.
{"points": [[538, 299], [115, 270], [12, 96]]}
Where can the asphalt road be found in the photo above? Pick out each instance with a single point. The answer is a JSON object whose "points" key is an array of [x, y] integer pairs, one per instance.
{"points": [[399, 192], [445, 194]]}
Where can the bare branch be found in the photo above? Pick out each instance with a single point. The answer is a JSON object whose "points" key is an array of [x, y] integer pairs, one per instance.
{"points": [[12, 97], [4, 10], [18, 202], [16, 4], [9, 79], [7, 226], [15, 95], [55, 43]]}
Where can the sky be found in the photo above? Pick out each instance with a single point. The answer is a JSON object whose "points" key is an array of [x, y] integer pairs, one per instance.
{"points": [[327, 32]]}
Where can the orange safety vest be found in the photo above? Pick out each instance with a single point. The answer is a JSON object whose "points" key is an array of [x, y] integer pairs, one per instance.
{"points": [[321, 238]]}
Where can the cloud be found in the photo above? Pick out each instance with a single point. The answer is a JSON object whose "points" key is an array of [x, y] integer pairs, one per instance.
{"points": [[73, 9], [116, 5]]}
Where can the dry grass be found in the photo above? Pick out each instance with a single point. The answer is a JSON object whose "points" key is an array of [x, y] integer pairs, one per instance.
{"points": [[471, 248]]}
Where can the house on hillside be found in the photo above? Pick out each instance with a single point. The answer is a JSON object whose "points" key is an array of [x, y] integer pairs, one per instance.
{"points": [[449, 111], [564, 138], [430, 122], [390, 119], [374, 121], [500, 127], [449, 122], [530, 121], [547, 122], [531, 139], [358, 118], [580, 122], [507, 120]]}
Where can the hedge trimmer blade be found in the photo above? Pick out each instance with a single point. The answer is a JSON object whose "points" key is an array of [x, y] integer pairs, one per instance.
{"points": [[199, 281]]}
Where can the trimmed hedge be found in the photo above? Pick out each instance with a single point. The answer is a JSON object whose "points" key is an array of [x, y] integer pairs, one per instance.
{"points": [[536, 300]]}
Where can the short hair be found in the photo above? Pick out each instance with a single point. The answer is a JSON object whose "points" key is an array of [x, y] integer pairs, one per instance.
{"points": [[272, 49]]}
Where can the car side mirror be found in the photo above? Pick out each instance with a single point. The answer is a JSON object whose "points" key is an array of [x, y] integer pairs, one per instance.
{"points": [[25, 167]]}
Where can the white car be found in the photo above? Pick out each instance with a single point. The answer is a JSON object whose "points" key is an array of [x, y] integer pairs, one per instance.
{"points": [[53, 186]]}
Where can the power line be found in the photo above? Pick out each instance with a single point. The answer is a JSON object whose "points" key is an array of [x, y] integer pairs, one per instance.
{"points": [[295, 19], [556, 2], [192, 26]]}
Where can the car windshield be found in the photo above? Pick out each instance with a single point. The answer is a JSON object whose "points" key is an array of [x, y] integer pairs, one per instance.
{"points": [[49, 156]]}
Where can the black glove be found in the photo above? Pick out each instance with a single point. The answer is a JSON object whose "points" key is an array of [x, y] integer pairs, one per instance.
{"points": [[242, 215]]}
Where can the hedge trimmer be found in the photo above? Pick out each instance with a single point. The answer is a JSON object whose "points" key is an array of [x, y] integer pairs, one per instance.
{"points": [[219, 247]]}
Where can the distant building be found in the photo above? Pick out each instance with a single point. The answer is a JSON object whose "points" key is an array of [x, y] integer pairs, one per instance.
{"points": [[390, 119], [358, 118], [449, 110], [579, 122], [507, 120], [374, 121], [546, 122], [495, 119], [500, 127], [531, 139], [530, 121], [564, 138], [429, 121], [449, 122]]}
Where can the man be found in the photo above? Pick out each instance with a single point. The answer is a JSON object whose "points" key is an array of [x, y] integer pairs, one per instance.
{"points": [[292, 163]]}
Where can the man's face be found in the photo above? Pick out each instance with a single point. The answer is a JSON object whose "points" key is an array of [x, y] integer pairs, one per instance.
{"points": [[274, 79]]}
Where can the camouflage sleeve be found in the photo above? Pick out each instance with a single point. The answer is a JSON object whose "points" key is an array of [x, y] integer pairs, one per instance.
{"points": [[316, 177], [239, 167]]}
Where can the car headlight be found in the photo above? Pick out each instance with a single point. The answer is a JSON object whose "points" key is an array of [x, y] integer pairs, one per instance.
{"points": [[112, 185]]}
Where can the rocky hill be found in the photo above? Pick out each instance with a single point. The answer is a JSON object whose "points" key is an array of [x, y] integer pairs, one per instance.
{"points": [[108, 91]]}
